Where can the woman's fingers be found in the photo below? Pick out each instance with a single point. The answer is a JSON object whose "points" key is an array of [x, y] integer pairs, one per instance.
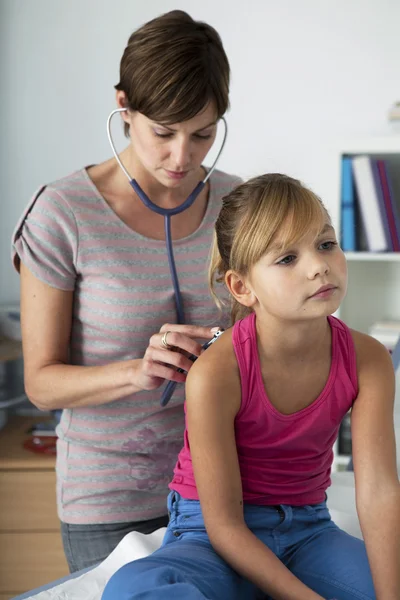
{"points": [[162, 371], [193, 331], [171, 357], [168, 354], [181, 337]]}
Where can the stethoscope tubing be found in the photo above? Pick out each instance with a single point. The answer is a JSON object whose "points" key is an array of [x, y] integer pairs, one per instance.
{"points": [[167, 213]]}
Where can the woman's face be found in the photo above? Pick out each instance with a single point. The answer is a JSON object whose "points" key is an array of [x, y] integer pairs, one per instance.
{"points": [[172, 154]]}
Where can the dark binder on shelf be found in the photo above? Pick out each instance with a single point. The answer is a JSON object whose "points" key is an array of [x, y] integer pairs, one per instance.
{"points": [[382, 204], [390, 205]]}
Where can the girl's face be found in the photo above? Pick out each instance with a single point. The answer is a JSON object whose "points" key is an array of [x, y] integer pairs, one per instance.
{"points": [[173, 154], [307, 280]]}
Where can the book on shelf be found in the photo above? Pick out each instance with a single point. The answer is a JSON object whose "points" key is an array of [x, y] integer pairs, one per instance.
{"points": [[381, 202], [396, 355], [369, 204], [370, 218], [390, 204], [348, 207]]}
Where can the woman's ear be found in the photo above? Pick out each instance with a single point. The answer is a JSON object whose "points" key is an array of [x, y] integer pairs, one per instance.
{"points": [[122, 102], [240, 289]]}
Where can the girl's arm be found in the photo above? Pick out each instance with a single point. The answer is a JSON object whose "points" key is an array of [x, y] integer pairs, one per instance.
{"points": [[50, 382], [374, 455], [213, 397]]}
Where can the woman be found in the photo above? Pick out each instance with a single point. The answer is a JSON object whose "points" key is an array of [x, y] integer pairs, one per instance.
{"points": [[97, 303]]}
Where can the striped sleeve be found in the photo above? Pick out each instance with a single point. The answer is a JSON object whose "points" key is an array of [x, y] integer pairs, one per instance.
{"points": [[46, 240]]}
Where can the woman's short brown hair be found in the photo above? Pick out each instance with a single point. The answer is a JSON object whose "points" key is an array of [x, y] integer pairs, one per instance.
{"points": [[173, 67]]}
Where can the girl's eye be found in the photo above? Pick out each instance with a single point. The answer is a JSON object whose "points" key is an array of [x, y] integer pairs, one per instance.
{"points": [[287, 260], [328, 245]]}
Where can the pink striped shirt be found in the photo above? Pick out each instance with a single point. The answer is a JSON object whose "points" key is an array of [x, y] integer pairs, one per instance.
{"points": [[284, 459], [114, 461]]}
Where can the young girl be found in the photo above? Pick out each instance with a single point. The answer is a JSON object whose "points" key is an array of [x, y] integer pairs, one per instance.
{"points": [[248, 514]]}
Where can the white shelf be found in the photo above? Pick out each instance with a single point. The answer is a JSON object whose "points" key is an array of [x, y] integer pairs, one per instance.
{"points": [[373, 292], [374, 256], [388, 144], [12, 401], [342, 459], [340, 462], [374, 277]]}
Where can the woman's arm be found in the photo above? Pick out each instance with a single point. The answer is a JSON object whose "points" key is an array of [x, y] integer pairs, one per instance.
{"points": [[213, 398], [50, 382], [374, 455]]}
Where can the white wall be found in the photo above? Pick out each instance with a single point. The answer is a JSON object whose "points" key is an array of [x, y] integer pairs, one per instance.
{"points": [[304, 74]]}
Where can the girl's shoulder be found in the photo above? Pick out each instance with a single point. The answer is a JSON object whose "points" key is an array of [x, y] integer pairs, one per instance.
{"points": [[221, 351], [361, 349], [215, 374], [370, 353]]}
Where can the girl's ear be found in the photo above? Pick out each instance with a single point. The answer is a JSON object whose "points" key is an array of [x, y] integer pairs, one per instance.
{"points": [[240, 289]]}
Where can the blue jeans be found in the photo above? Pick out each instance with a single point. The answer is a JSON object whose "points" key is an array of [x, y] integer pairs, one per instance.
{"points": [[328, 560]]}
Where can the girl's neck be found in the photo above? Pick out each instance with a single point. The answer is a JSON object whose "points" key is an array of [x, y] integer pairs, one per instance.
{"points": [[292, 341]]}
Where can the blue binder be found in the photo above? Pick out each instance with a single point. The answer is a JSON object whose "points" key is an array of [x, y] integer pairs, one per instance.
{"points": [[396, 355], [348, 220]]}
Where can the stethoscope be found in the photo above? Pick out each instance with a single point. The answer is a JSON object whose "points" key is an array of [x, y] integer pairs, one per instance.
{"points": [[166, 212]]}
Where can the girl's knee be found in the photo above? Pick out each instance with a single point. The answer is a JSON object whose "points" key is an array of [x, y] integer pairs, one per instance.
{"points": [[140, 576], [122, 583]]}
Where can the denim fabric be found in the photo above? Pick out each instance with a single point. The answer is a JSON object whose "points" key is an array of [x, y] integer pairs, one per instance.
{"points": [[328, 560], [88, 545]]}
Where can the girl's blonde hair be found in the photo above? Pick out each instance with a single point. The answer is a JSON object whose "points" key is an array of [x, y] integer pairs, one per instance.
{"points": [[250, 218]]}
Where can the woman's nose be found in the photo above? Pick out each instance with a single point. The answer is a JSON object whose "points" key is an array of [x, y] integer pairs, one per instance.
{"points": [[180, 152]]}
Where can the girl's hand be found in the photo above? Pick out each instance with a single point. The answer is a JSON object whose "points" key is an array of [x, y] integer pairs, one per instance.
{"points": [[161, 360]]}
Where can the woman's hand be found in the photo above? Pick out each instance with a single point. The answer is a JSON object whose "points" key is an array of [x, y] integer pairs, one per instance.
{"points": [[51, 382], [161, 360]]}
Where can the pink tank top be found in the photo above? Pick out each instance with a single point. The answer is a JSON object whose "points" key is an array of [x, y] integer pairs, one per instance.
{"points": [[284, 459]]}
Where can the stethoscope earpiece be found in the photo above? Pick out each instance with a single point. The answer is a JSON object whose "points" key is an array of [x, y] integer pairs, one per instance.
{"points": [[143, 196]]}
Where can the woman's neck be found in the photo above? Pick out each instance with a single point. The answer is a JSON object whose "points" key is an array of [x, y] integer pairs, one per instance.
{"points": [[156, 191]]}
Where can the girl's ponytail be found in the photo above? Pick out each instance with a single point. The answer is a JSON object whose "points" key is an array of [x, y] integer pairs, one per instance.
{"points": [[216, 274]]}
